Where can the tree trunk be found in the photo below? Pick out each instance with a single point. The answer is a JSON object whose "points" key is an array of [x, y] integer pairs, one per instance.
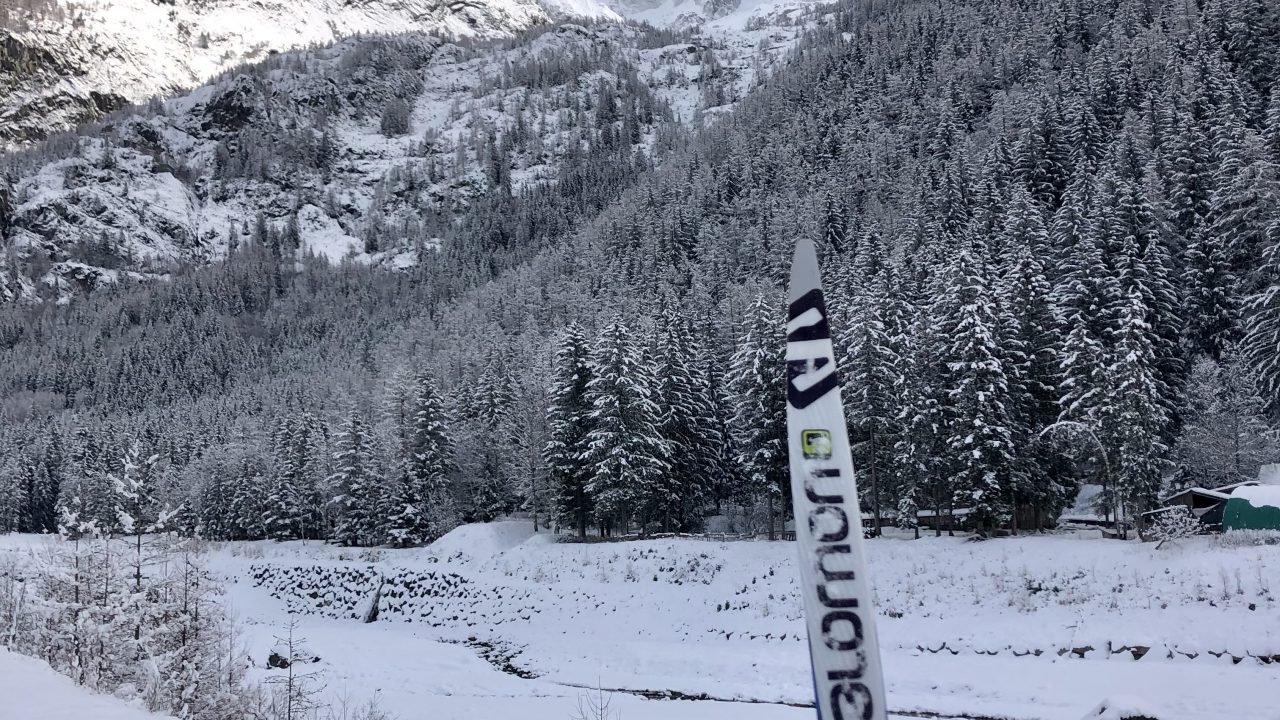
{"points": [[937, 512], [769, 510], [1013, 513], [875, 487]]}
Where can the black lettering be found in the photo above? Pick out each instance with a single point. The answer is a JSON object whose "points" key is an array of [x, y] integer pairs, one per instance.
{"points": [[833, 575], [813, 495], [836, 536], [811, 300], [856, 696], [801, 399], [855, 623]]}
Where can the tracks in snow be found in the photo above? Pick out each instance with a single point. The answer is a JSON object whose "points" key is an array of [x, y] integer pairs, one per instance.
{"points": [[503, 658]]}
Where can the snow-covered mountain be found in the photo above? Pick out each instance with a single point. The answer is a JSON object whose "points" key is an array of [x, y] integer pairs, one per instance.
{"points": [[367, 148], [66, 61], [296, 138]]}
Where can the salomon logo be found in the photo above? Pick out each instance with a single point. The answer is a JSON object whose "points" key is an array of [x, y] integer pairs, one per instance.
{"points": [[811, 375]]}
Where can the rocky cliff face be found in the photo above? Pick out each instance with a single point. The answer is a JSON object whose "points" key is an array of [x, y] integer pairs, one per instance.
{"points": [[64, 62]]}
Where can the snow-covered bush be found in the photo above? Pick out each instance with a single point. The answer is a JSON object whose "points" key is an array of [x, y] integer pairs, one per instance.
{"points": [[138, 617], [1247, 538], [1174, 524]]}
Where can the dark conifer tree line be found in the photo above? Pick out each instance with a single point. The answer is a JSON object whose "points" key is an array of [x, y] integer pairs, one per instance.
{"points": [[1049, 231]]}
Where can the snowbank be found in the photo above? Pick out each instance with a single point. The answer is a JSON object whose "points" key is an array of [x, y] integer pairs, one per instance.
{"points": [[31, 690], [481, 540]]}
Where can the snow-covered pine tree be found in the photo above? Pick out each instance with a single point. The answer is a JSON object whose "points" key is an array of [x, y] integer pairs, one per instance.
{"points": [[757, 386], [1030, 348], [979, 433], [1084, 300], [1211, 300], [354, 487], [1245, 200], [1133, 245], [1271, 127], [533, 491], [921, 451], [625, 452], [284, 501], [870, 372], [687, 425], [488, 457], [88, 489], [1134, 420], [421, 508], [568, 421], [1261, 343], [13, 495], [137, 506]]}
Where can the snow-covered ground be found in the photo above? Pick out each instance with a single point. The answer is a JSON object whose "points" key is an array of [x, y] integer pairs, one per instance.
{"points": [[989, 629], [723, 620], [31, 690]]}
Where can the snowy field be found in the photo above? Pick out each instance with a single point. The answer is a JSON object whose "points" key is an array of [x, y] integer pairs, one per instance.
{"points": [[493, 622]]}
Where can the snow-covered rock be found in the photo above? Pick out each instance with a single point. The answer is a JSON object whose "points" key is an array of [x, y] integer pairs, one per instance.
{"points": [[298, 141], [1124, 708], [76, 60]]}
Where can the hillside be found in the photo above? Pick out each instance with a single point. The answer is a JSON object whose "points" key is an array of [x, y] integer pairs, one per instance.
{"points": [[68, 62], [368, 148], [1065, 258]]}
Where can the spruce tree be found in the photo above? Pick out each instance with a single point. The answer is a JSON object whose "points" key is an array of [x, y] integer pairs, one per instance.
{"points": [[13, 496], [354, 486], [1261, 343], [421, 509], [979, 433], [871, 374], [1030, 349], [1135, 420], [490, 452], [568, 418], [688, 425], [1225, 437], [757, 386], [625, 451]]}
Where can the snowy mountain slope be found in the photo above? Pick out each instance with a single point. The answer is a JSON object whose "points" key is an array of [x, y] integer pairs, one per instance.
{"points": [[69, 61], [961, 622], [64, 62], [300, 141], [718, 17]]}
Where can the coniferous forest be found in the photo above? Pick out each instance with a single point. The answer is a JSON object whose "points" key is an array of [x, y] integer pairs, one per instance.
{"points": [[1050, 233]]}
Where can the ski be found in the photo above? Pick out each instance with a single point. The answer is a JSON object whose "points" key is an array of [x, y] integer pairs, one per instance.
{"points": [[839, 615]]}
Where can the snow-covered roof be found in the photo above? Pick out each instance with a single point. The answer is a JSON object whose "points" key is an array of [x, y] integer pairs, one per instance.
{"points": [[1216, 494], [1210, 493], [1165, 509], [1230, 489], [1260, 495], [958, 512]]}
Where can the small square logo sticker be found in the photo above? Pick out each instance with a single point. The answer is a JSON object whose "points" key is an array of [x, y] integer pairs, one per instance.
{"points": [[815, 444]]}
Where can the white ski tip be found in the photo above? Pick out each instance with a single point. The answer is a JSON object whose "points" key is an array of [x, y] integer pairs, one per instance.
{"points": [[804, 270]]}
